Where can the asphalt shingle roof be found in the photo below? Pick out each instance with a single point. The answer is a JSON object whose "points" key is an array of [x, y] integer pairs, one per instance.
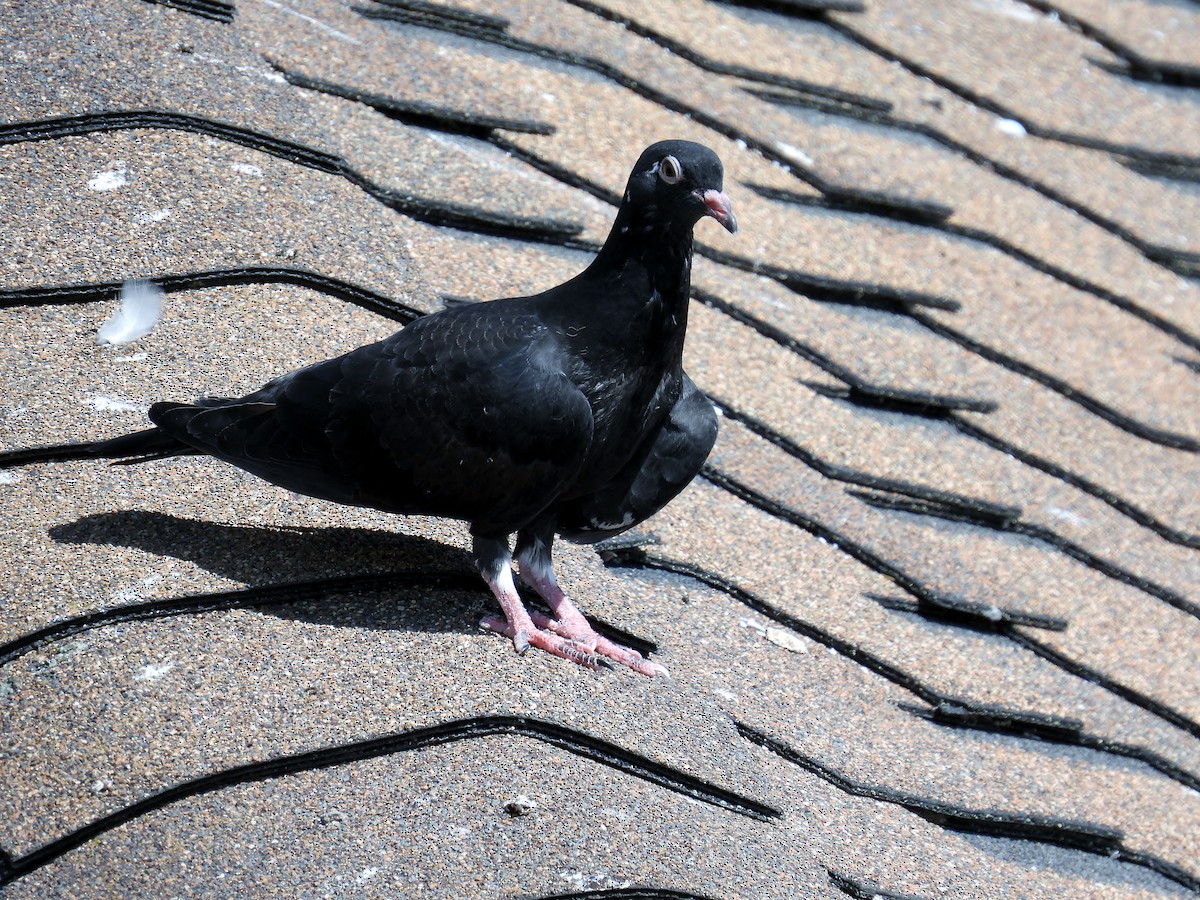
{"points": [[932, 609]]}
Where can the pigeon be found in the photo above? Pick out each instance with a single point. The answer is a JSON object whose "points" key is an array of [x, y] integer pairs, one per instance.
{"points": [[565, 413]]}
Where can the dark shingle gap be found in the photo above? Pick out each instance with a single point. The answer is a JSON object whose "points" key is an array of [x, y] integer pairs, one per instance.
{"points": [[998, 109], [474, 219], [982, 617], [633, 539], [936, 508], [635, 558], [441, 213], [864, 891], [818, 92], [807, 9], [834, 290], [781, 337], [553, 734], [1046, 728], [817, 102], [333, 287], [217, 10], [28, 456], [442, 14], [911, 403], [1182, 262], [911, 210], [1087, 673], [999, 719], [916, 589], [1088, 837], [68, 126], [1120, 505], [1137, 66], [1128, 424], [630, 893], [1187, 172], [603, 68], [935, 500], [934, 216], [418, 112], [1193, 364]]}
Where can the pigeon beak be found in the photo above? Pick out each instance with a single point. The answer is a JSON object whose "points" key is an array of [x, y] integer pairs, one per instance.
{"points": [[720, 209]]}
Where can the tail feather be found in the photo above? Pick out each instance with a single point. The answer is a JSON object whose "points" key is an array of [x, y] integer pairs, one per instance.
{"points": [[140, 446]]}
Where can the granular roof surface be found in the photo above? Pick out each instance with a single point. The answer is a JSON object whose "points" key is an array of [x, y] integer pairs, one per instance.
{"points": [[932, 608]]}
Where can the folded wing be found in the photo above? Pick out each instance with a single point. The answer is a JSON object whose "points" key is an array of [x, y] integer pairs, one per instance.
{"points": [[467, 415]]}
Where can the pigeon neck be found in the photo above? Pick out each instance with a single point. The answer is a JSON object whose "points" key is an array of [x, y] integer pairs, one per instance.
{"points": [[662, 251]]}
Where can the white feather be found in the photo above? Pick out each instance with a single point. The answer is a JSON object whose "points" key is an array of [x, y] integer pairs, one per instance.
{"points": [[1010, 127], [139, 312]]}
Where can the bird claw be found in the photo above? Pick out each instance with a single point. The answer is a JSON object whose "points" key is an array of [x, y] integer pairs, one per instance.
{"points": [[563, 646], [521, 642], [652, 669]]}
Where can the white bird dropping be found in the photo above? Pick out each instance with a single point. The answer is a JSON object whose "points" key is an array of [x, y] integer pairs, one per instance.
{"points": [[139, 312]]}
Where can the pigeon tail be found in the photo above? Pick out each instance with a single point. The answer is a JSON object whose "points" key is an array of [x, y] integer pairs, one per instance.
{"points": [[128, 449], [140, 446]]}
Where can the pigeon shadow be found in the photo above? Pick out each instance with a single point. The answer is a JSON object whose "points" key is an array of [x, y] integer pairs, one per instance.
{"points": [[322, 558]]}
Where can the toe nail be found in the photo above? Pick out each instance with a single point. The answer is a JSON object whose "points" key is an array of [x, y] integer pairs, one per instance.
{"points": [[521, 642]]}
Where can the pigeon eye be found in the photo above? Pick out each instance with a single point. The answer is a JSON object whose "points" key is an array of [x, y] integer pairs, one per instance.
{"points": [[670, 171]]}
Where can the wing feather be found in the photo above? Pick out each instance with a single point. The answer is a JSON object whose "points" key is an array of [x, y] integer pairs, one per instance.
{"points": [[664, 465], [466, 414]]}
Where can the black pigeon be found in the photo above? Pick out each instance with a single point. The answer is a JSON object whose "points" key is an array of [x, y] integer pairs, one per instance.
{"points": [[567, 412]]}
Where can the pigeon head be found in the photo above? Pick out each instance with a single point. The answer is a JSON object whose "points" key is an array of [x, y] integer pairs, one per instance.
{"points": [[674, 185]]}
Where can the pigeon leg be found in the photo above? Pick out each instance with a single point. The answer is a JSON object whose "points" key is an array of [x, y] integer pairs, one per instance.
{"points": [[533, 555], [495, 565]]}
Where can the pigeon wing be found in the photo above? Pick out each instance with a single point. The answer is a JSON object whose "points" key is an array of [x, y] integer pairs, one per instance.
{"points": [[667, 460], [466, 414]]}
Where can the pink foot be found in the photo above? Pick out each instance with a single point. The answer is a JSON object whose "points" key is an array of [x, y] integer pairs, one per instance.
{"points": [[546, 640], [580, 645], [571, 624], [577, 629], [568, 634]]}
